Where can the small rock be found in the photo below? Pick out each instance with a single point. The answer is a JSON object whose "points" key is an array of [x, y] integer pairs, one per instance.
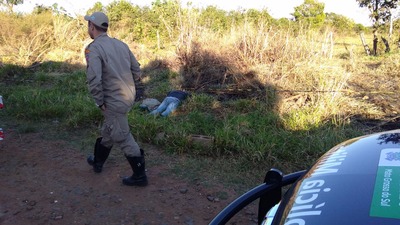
{"points": [[58, 217], [189, 221], [248, 212], [161, 215], [207, 218], [183, 190]]}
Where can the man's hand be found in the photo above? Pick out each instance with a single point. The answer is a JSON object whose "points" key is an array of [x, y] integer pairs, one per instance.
{"points": [[139, 89], [102, 107]]}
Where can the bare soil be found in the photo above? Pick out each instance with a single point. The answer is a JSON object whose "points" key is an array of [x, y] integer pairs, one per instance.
{"points": [[46, 181]]}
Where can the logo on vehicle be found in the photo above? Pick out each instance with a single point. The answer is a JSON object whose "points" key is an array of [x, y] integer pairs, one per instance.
{"points": [[385, 201], [393, 156]]}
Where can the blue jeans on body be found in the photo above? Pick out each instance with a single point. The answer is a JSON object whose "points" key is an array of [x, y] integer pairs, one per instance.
{"points": [[168, 105]]}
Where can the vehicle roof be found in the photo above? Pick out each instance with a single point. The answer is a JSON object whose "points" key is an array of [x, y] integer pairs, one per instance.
{"points": [[356, 182]]}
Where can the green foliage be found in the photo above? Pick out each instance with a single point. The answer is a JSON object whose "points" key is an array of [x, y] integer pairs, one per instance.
{"points": [[169, 14], [10, 4], [147, 25], [10, 71], [123, 19], [380, 9], [340, 23], [358, 28], [258, 17], [199, 102], [310, 13], [159, 83], [380, 13], [120, 11], [161, 21], [283, 23], [60, 98], [97, 7], [39, 9], [214, 19]]}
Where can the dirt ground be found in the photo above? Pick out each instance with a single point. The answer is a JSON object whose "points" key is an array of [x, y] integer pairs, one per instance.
{"points": [[49, 182]]}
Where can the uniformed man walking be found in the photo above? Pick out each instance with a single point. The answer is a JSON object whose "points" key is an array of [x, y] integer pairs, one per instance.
{"points": [[112, 70]]}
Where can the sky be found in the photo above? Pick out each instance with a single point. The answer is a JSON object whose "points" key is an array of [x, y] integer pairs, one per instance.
{"points": [[276, 8]]}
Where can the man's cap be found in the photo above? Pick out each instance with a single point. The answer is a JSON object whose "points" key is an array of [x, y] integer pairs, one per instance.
{"points": [[99, 19]]}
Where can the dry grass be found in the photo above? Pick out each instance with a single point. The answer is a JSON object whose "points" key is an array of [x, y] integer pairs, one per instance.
{"points": [[316, 76], [38, 38]]}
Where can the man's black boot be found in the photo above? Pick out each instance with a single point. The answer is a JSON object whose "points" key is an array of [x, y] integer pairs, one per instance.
{"points": [[138, 166], [100, 156]]}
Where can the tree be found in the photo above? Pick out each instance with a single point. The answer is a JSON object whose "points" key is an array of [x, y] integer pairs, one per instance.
{"points": [[311, 12], [10, 4], [122, 15], [54, 9], [169, 13], [122, 10], [358, 28], [339, 22], [41, 9], [380, 14], [214, 18], [258, 17], [97, 7]]}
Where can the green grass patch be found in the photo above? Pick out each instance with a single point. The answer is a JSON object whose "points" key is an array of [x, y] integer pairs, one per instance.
{"points": [[246, 128]]}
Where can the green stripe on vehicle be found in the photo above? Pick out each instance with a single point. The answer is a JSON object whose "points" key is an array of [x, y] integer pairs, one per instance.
{"points": [[386, 196]]}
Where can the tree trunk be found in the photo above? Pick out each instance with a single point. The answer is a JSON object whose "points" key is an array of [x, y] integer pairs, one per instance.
{"points": [[366, 48], [386, 44], [391, 27], [398, 43], [158, 40], [375, 43]]}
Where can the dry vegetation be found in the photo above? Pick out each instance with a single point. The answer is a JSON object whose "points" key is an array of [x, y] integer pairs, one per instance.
{"points": [[38, 38], [308, 76], [314, 77]]}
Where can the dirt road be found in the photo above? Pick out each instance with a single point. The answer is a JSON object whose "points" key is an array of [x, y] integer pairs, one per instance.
{"points": [[48, 182]]}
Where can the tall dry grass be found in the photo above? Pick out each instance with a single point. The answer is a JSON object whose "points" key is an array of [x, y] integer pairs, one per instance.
{"points": [[307, 70], [311, 82], [26, 39]]}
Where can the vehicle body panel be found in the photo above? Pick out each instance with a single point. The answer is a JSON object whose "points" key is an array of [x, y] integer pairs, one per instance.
{"points": [[356, 182]]}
